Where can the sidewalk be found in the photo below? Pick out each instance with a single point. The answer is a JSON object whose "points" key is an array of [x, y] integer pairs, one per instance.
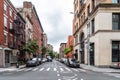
{"points": [[11, 68], [97, 69]]}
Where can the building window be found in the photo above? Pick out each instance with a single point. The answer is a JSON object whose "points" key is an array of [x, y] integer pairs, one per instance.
{"points": [[88, 29], [82, 2], [76, 39], [88, 10], [14, 17], [11, 25], [11, 40], [84, 17], [93, 4], [115, 1], [93, 26], [115, 21], [5, 21], [11, 12], [5, 8], [5, 38], [115, 51]]}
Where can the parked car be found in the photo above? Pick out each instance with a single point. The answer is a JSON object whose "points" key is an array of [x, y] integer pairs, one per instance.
{"points": [[38, 60], [49, 59], [72, 63], [31, 63], [63, 60], [44, 60]]}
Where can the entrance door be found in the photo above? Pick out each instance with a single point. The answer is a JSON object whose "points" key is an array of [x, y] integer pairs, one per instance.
{"points": [[92, 54], [7, 58], [115, 51], [82, 48], [82, 53]]}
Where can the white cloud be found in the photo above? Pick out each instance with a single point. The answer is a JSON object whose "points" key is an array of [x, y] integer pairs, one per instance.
{"points": [[55, 18]]}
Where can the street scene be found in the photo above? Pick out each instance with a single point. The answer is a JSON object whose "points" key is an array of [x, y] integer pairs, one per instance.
{"points": [[56, 71], [59, 39]]}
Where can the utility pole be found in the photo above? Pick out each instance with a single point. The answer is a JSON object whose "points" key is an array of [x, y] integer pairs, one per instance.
{"points": [[88, 40]]}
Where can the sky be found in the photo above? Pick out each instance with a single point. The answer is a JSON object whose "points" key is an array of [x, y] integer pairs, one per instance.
{"points": [[55, 18]]}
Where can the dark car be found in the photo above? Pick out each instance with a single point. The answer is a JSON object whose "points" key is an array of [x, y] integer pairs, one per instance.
{"points": [[44, 60], [49, 59], [73, 63], [31, 63], [38, 60]]}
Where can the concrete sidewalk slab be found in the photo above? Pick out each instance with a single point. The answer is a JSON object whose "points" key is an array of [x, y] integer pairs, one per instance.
{"points": [[11, 68], [98, 69]]}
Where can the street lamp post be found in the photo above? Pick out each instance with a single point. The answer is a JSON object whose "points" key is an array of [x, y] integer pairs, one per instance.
{"points": [[88, 40]]}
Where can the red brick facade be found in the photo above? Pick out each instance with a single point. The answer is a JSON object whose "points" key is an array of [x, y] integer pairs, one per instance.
{"points": [[37, 27], [12, 34], [70, 43]]}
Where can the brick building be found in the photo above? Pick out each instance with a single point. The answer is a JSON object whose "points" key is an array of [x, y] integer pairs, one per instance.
{"points": [[29, 10], [97, 22], [11, 29], [70, 43], [61, 49]]}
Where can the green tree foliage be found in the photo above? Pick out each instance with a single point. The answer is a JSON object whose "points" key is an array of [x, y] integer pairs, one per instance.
{"points": [[44, 51], [67, 50], [51, 54], [31, 46]]}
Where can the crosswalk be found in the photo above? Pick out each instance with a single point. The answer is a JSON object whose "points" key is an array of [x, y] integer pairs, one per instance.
{"points": [[60, 69], [113, 74]]}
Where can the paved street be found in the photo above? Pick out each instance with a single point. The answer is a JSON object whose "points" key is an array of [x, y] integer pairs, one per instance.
{"points": [[56, 71]]}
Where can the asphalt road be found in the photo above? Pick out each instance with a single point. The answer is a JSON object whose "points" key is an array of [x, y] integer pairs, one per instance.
{"points": [[56, 71]]}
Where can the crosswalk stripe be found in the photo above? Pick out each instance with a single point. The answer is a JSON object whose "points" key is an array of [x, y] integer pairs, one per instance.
{"points": [[74, 69], [41, 69], [35, 69], [48, 69], [68, 69], [20, 69], [82, 70], [61, 69], [28, 69], [55, 69]]}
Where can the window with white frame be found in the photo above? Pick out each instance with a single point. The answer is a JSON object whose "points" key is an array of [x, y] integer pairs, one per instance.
{"points": [[5, 38], [5, 21], [11, 12], [11, 25], [14, 17], [5, 8]]}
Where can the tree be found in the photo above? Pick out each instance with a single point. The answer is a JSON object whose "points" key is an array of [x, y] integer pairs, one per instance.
{"points": [[44, 50], [31, 47], [67, 50], [51, 54]]}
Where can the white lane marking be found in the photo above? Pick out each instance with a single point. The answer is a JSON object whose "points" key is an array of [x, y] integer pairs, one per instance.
{"points": [[48, 69], [75, 79], [113, 74], [41, 69], [82, 70], [21, 69], [68, 69], [35, 69], [61, 69], [55, 69], [28, 69], [74, 69], [59, 79], [58, 74], [81, 79], [70, 77]]}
